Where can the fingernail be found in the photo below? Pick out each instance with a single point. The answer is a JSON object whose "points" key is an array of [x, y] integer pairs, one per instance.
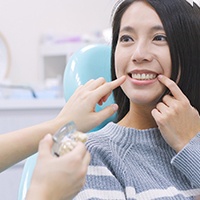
{"points": [[160, 76], [115, 107], [48, 137]]}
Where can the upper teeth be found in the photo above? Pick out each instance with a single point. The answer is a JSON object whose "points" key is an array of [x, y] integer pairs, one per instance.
{"points": [[144, 76]]}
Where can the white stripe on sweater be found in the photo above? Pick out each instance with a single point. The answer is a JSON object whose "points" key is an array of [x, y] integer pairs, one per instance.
{"points": [[159, 193], [147, 195], [100, 194], [130, 191], [98, 171]]}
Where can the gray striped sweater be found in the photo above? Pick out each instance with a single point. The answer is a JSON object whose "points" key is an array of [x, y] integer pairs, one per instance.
{"points": [[138, 164]]}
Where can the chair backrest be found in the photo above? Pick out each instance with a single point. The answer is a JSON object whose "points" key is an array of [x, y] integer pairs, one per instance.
{"points": [[90, 62], [26, 176]]}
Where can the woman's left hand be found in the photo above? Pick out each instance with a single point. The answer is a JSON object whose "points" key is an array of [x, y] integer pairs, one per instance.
{"points": [[177, 120]]}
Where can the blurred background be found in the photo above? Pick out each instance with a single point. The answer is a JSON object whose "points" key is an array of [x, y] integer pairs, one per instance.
{"points": [[28, 25]]}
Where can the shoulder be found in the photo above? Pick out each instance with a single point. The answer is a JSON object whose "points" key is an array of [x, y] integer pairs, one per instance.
{"points": [[109, 134], [100, 138], [101, 144], [109, 144]]}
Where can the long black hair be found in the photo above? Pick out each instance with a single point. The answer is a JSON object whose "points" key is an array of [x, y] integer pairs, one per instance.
{"points": [[181, 22]]}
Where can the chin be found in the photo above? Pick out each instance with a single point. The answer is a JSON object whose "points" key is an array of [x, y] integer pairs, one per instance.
{"points": [[146, 101]]}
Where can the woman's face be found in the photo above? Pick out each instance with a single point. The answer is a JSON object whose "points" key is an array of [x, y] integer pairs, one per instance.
{"points": [[141, 54]]}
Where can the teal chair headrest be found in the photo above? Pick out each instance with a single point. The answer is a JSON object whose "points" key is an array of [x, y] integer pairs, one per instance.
{"points": [[90, 62]]}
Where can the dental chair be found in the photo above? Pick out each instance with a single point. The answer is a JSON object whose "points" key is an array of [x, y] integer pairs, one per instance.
{"points": [[90, 62]]}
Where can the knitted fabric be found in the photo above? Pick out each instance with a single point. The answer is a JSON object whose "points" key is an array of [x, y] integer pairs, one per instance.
{"points": [[138, 164]]}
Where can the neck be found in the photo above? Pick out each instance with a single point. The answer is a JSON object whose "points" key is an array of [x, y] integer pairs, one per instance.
{"points": [[139, 117]]}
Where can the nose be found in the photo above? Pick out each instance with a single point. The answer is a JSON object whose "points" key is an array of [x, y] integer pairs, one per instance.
{"points": [[141, 53]]}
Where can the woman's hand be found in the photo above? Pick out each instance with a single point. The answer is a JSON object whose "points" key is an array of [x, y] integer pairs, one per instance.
{"points": [[80, 108], [58, 178], [177, 120]]}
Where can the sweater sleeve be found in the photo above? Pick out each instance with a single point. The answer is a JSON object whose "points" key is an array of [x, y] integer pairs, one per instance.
{"points": [[188, 161], [101, 182]]}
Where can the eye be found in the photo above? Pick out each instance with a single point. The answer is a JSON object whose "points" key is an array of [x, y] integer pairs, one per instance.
{"points": [[126, 38], [160, 38]]}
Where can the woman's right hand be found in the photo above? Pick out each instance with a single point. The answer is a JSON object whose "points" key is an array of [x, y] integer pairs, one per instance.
{"points": [[80, 108]]}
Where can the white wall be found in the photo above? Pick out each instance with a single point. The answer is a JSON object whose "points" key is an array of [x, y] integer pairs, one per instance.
{"points": [[23, 22]]}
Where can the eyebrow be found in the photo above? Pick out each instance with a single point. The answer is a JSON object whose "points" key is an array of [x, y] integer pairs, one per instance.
{"points": [[131, 29], [157, 28]]}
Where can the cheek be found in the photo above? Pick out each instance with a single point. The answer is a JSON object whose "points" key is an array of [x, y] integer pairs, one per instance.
{"points": [[118, 63], [167, 70], [121, 61], [165, 62]]}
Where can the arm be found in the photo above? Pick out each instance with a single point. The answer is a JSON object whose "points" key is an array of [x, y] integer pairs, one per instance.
{"points": [[188, 161], [58, 178], [17, 145]]}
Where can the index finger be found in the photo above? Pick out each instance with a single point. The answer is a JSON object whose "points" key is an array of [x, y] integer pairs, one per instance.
{"points": [[172, 86], [108, 87], [117, 82]]}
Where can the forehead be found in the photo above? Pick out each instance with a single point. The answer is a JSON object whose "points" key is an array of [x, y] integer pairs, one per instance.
{"points": [[140, 13]]}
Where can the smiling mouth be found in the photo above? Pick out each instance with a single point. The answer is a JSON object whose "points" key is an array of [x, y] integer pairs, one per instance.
{"points": [[143, 76]]}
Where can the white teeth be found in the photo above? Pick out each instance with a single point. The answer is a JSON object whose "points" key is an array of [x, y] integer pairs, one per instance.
{"points": [[144, 76]]}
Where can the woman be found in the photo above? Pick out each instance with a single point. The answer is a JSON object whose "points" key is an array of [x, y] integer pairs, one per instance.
{"points": [[153, 150]]}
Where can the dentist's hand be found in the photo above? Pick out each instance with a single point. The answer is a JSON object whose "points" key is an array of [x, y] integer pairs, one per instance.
{"points": [[58, 178], [80, 108], [177, 120]]}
